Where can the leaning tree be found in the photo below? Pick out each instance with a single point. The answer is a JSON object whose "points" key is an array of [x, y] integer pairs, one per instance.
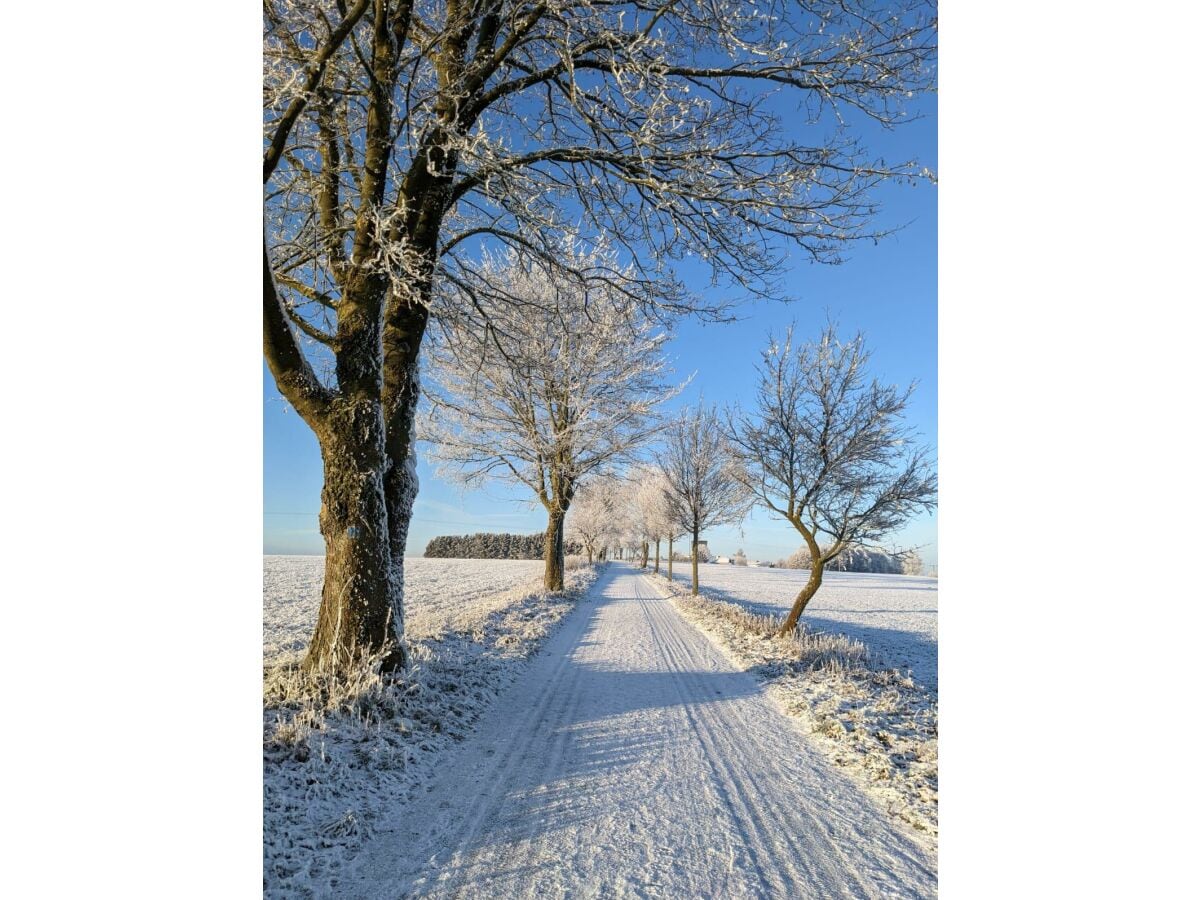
{"points": [[705, 487], [552, 392], [403, 136], [827, 449]]}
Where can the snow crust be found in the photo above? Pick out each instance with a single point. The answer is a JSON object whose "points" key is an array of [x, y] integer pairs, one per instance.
{"points": [[336, 760]]}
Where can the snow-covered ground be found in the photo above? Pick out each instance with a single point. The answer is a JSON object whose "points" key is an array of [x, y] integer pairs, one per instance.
{"points": [[338, 758], [895, 616], [629, 732], [632, 759], [435, 591], [845, 674]]}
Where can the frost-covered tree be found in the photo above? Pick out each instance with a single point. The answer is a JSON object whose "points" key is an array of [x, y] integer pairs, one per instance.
{"points": [[826, 449], [705, 485], [630, 527], [403, 136], [555, 391], [654, 510], [911, 563], [591, 517], [857, 558]]}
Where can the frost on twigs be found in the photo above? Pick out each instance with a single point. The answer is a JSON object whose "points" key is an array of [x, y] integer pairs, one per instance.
{"points": [[875, 722], [340, 749]]}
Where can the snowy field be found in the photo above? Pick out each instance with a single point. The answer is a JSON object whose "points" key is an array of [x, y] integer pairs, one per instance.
{"points": [[894, 615], [436, 590]]}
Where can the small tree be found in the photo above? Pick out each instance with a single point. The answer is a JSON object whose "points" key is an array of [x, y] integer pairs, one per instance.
{"points": [[705, 487], [825, 449], [552, 392]]}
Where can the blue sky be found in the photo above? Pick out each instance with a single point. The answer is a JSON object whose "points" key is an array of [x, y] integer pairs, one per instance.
{"points": [[888, 290]]}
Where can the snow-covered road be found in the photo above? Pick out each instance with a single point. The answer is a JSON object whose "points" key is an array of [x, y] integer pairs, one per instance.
{"points": [[631, 759]]}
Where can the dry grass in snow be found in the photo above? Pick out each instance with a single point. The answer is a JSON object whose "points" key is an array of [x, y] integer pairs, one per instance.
{"points": [[875, 722], [894, 615], [337, 752]]}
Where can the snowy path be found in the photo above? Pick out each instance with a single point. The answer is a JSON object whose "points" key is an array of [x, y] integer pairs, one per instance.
{"points": [[632, 760]]}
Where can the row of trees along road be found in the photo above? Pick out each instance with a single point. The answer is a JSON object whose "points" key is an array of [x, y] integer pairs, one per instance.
{"points": [[823, 446], [548, 393], [624, 512], [403, 138]]}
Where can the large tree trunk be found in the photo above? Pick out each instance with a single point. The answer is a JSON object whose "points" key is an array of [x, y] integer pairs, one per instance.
{"points": [[671, 558], [401, 390], [695, 561], [555, 563], [657, 547], [355, 616], [814, 582], [645, 554]]}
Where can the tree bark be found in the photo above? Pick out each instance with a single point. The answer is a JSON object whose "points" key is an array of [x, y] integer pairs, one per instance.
{"points": [[814, 582], [671, 558], [695, 561], [645, 554], [657, 547], [355, 617], [555, 563], [401, 390]]}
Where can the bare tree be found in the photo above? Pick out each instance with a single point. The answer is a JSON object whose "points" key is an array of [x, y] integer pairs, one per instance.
{"points": [[826, 449], [706, 488], [546, 399], [403, 136]]}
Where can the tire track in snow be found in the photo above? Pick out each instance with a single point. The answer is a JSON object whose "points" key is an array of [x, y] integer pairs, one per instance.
{"points": [[633, 760], [440, 834], [773, 827], [722, 776], [788, 743]]}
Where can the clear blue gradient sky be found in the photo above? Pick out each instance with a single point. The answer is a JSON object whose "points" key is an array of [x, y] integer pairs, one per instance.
{"points": [[888, 290]]}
